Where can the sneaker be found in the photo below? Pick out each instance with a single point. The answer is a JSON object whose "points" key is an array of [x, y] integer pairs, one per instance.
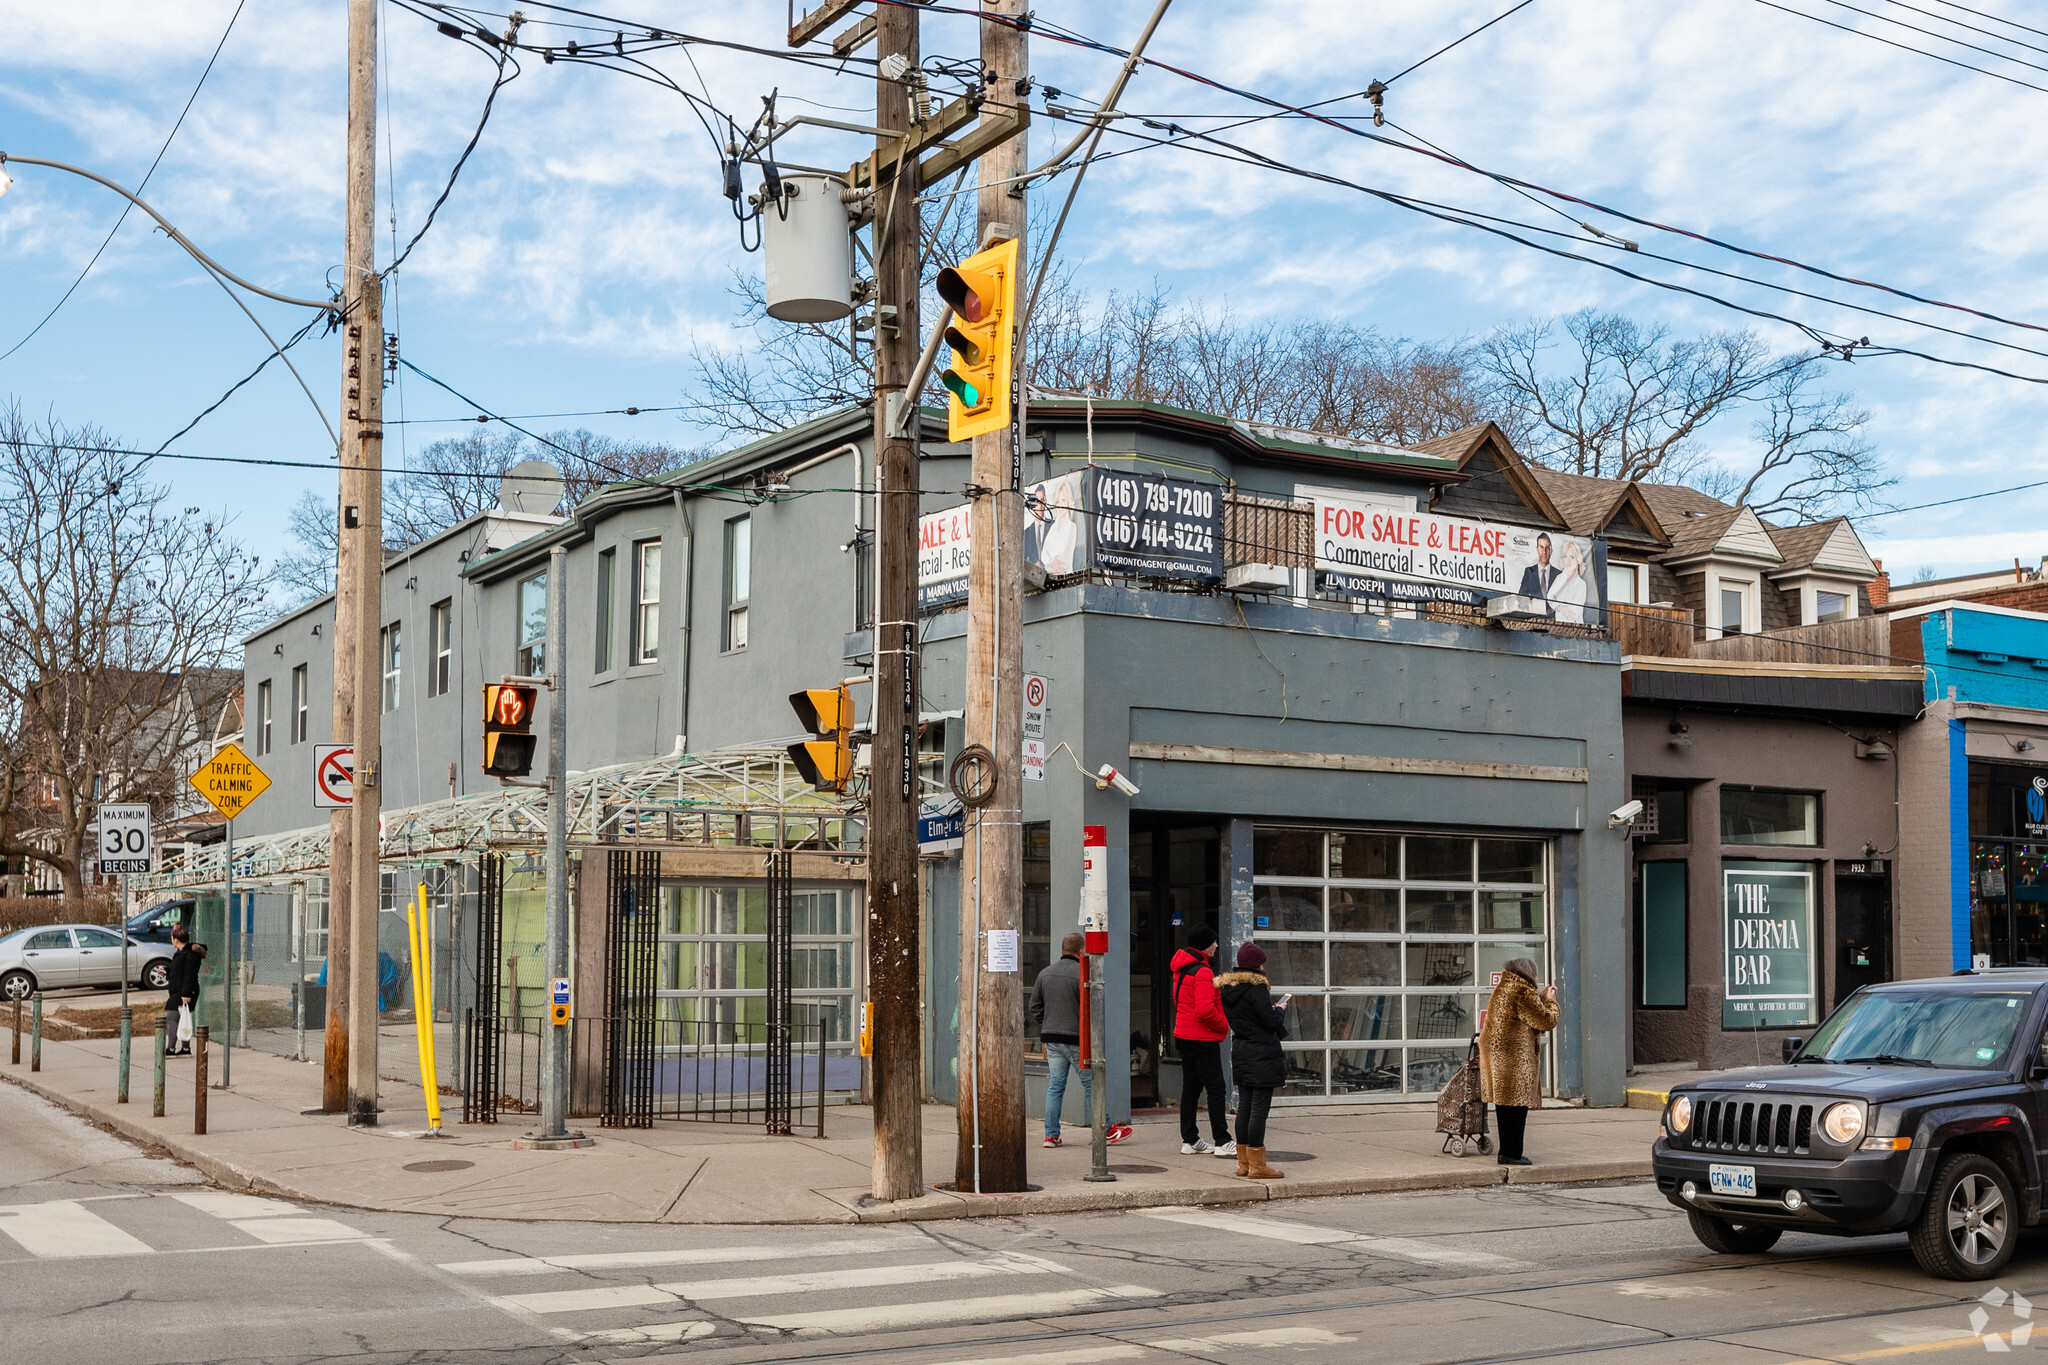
{"points": [[1227, 1149], [1199, 1147], [1118, 1132], [1054, 1140]]}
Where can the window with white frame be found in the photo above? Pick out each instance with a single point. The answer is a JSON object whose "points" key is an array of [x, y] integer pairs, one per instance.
{"points": [[533, 626], [388, 649], [263, 717], [646, 601], [739, 574], [1621, 582], [711, 973], [441, 638], [1833, 604], [301, 704], [1733, 604], [606, 560]]}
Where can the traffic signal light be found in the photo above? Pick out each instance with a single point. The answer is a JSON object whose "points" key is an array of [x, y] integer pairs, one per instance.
{"points": [[508, 729], [827, 712], [983, 292]]}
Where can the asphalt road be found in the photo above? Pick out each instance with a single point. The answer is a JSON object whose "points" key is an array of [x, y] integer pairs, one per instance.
{"points": [[110, 1254]]}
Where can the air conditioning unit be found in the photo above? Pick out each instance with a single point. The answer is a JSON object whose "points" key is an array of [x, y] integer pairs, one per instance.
{"points": [[1515, 607], [1256, 578]]}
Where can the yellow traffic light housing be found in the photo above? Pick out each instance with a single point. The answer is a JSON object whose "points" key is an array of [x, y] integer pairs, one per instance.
{"points": [[508, 729], [983, 293], [827, 712]]}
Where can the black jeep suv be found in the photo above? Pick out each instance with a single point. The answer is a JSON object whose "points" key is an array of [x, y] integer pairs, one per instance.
{"points": [[1919, 1106]]}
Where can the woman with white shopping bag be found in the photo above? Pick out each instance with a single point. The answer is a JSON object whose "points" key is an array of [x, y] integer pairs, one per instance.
{"points": [[184, 984]]}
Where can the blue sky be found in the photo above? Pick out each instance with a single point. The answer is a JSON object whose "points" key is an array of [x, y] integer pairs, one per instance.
{"points": [[586, 247]]}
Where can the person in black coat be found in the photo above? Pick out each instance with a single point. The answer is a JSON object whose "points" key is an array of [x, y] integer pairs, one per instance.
{"points": [[184, 985], [1257, 1063]]}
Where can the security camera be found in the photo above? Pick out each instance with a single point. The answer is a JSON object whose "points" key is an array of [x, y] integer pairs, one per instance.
{"points": [[1109, 777], [1624, 815]]}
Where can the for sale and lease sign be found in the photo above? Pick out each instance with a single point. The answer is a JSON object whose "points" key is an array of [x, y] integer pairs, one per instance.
{"points": [[1369, 549]]}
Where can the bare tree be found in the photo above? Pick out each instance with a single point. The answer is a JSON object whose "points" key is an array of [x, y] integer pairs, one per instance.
{"points": [[111, 599], [1619, 400], [457, 478]]}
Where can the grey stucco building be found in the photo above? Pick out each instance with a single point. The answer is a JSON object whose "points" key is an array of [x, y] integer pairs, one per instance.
{"points": [[1393, 799]]}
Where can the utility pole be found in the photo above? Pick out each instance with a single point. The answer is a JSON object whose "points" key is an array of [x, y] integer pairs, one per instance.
{"points": [[360, 567], [554, 1055], [892, 810], [992, 1080]]}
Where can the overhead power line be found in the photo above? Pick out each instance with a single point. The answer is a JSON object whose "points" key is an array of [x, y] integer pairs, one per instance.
{"points": [[126, 207], [1903, 47], [1454, 42]]}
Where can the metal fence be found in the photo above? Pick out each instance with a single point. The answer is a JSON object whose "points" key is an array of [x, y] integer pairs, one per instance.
{"points": [[689, 1071]]}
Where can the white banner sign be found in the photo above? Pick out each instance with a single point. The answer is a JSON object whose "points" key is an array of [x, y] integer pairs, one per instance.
{"points": [[1366, 549], [945, 552]]}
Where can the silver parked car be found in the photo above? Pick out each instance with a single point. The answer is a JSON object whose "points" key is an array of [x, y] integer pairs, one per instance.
{"points": [[53, 956]]}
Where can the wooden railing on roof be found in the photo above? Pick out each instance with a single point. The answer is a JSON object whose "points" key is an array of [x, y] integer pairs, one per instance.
{"points": [[1865, 640], [1268, 531], [1654, 632]]}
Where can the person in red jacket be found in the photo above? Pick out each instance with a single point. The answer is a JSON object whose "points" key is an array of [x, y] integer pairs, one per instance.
{"points": [[1198, 1031]]}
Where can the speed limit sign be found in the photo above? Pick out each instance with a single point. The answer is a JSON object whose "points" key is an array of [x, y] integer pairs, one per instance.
{"points": [[126, 844]]}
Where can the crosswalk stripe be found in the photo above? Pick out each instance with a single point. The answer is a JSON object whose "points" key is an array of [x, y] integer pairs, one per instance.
{"points": [[582, 1300], [883, 1317], [1079, 1355], [659, 1332], [1269, 1336], [1307, 1234], [227, 1204], [62, 1230], [628, 1260], [864, 1277], [283, 1231]]}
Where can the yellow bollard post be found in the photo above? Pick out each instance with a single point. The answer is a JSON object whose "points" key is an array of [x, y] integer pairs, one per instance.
{"points": [[420, 930]]}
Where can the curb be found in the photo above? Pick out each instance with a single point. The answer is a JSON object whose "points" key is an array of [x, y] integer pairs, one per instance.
{"points": [[935, 1206]]}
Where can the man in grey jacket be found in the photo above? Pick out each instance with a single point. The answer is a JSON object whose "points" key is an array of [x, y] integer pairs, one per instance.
{"points": [[1056, 1009]]}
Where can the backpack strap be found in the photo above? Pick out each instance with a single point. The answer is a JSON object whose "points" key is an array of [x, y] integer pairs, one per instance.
{"points": [[1182, 975]]}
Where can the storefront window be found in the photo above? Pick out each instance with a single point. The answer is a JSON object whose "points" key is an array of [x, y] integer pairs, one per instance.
{"points": [[1767, 945], [1751, 815], [1660, 935], [712, 963], [1389, 944]]}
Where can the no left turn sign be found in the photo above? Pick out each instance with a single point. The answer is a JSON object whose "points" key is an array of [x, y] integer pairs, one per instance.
{"points": [[334, 775]]}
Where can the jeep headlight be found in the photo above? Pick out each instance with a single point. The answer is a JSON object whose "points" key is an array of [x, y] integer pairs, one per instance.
{"points": [[1843, 1123], [1679, 1116]]}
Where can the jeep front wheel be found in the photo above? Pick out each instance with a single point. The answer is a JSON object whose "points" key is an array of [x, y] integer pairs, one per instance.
{"points": [[1967, 1230], [1732, 1239]]}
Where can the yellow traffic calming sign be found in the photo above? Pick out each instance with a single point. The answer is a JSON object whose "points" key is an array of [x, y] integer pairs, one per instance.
{"points": [[230, 781]]}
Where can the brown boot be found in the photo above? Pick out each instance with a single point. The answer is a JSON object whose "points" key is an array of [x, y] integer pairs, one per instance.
{"points": [[1243, 1159], [1257, 1169]]}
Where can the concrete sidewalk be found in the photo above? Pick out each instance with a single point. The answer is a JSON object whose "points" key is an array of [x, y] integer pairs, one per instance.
{"points": [[260, 1139]]}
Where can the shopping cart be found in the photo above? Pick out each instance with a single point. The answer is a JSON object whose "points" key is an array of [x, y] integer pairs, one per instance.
{"points": [[1460, 1112]]}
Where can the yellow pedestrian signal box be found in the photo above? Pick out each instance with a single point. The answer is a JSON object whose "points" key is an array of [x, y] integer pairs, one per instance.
{"points": [[983, 292], [827, 712], [508, 729]]}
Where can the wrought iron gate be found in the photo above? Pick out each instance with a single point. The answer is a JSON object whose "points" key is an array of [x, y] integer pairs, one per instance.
{"points": [[483, 1029], [633, 910]]}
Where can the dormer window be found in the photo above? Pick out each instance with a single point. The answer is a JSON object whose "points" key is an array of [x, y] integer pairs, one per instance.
{"points": [[1833, 606]]}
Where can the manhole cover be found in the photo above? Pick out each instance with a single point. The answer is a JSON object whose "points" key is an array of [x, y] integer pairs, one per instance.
{"points": [[1136, 1168], [439, 1165], [1296, 1157]]}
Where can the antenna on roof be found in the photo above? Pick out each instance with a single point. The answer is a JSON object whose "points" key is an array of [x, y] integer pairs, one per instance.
{"points": [[531, 487]]}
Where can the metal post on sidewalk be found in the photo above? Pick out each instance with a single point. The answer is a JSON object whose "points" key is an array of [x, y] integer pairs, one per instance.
{"points": [[17, 1032], [227, 1050], [156, 1108], [199, 1081], [1098, 1140], [127, 1013], [35, 1038]]}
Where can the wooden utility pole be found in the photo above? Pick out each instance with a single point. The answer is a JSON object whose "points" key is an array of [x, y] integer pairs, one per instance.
{"points": [[992, 1079], [357, 694], [892, 815]]}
